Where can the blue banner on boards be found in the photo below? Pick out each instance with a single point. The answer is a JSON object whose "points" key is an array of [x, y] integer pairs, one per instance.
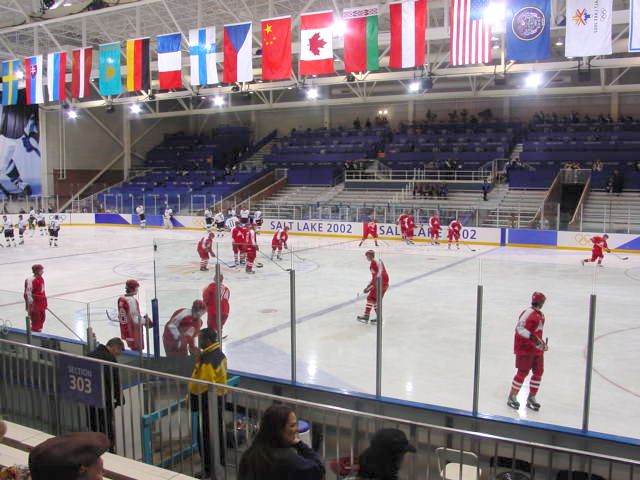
{"points": [[533, 237]]}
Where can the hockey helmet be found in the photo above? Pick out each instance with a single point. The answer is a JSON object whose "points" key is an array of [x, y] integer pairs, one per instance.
{"points": [[286, 227], [131, 285], [198, 305], [538, 298], [37, 268], [215, 277], [369, 253], [56, 217], [20, 216], [605, 236]]}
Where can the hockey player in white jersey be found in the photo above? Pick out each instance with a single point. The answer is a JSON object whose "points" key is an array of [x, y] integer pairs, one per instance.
{"points": [[244, 216], [167, 218], [32, 221], [22, 227], [218, 218], [231, 222], [54, 230], [141, 216], [208, 220], [7, 228], [41, 222]]}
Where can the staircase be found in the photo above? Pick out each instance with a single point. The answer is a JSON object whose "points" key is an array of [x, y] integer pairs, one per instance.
{"points": [[517, 209], [256, 161]]}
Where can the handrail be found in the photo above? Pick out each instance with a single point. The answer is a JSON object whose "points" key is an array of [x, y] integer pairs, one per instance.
{"points": [[418, 175], [329, 408], [581, 202], [538, 214]]}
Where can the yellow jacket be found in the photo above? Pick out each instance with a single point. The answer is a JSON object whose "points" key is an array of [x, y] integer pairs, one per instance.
{"points": [[211, 366]]}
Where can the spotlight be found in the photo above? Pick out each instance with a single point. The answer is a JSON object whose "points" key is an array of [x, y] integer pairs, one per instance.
{"points": [[385, 112], [351, 78], [72, 114], [379, 112], [534, 80], [218, 101], [414, 86], [339, 28], [312, 93], [135, 108], [495, 13], [559, 43]]}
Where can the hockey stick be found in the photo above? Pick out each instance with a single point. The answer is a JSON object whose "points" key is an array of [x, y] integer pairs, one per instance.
{"points": [[274, 262], [106, 311], [472, 249], [621, 257]]}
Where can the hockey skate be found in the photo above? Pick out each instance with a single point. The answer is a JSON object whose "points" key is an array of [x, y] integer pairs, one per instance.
{"points": [[363, 318], [513, 402], [279, 257], [251, 272], [583, 262], [21, 242], [532, 404], [258, 264], [376, 242]]}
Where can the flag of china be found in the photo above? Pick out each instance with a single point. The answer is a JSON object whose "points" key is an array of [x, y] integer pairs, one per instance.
{"points": [[276, 48]]}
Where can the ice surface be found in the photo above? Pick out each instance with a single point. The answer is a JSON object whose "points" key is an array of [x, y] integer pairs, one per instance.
{"points": [[429, 314]]}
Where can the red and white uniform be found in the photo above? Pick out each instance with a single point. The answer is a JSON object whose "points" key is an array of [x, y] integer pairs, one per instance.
{"points": [[529, 357], [279, 240], [131, 322], [251, 246], [409, 225], [209, 299], [369, 228], [454, 231], [180, 333], [205, 250], [35, 300], [238, 241], [599, 244], [434, 227], [400, 222], [377, 268]]}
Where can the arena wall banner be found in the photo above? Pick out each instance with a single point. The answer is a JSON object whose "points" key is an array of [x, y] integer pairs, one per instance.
{"points": [[20, 164], [326, 228]]}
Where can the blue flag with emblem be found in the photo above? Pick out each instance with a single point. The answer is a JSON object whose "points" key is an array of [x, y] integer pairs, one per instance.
{"points": [[528, 30]]}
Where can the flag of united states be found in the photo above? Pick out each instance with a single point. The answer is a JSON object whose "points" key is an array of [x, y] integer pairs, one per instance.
{"points": [[470, 32]]}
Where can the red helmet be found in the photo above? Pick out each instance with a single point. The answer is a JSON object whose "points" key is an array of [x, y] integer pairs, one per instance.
{"points": [[215, 277], [605, 236], [538, 298], [369, 252], [286, 227], [131, 285], [198, 305], [37, 267]]}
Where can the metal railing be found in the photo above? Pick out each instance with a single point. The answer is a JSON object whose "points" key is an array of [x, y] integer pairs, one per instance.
{"points": [[419, 175], [149, 420]]}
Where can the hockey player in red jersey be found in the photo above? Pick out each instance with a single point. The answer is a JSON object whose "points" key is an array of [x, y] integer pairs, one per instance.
{"points": [[529, 348], [209, 299], [205, 251], [401, 223], [409, 225], [453, 234], [181, 331], [369, 228], [251, 245], [131, 321], [238, 234], [377, 268], [279, 240], [434, 229], [35, 298], [599, 244]]}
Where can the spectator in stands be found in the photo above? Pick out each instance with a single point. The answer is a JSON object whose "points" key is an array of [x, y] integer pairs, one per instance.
{"points": [[3, 429], [443, 192], [73, 456], [367, 124], [382, 460], [638, 166], [210, 366], [618, 182], [277, 451], [597, 165], [356, 123], [101, 419], [485, 190]]}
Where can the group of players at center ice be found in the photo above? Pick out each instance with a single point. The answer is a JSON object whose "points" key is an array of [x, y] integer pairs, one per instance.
{"points": [[33, 221]]}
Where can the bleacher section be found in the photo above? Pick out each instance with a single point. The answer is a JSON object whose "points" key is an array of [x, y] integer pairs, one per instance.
{"points": [[606, 212], [517, 208], [184, 165]]}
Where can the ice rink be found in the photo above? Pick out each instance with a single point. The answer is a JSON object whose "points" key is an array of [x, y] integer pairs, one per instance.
{"points": [[429, 314]]}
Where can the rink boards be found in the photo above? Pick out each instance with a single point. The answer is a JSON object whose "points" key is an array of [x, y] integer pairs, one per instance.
{"points": [[327, 228]]}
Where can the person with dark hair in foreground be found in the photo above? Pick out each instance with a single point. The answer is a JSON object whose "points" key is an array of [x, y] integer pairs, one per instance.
{"points": [[383, 459], [277, 451]]}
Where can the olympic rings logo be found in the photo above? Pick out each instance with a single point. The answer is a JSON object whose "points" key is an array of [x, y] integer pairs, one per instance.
{"points": [[198, 222], [582, 239]]}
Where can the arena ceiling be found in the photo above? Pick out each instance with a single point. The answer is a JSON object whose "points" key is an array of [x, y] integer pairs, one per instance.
{"points": [[25, 28]]}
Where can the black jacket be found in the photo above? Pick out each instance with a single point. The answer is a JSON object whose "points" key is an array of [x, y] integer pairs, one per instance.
{"points": [[109, 373], [295, 463]]}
